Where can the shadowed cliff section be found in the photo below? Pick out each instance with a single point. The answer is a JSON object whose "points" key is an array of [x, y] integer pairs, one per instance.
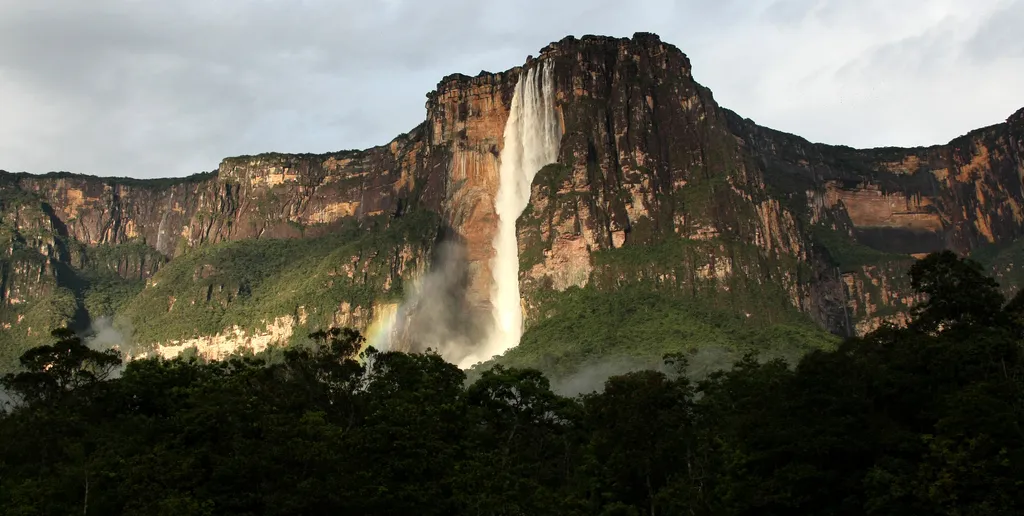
{"points": [[964, 194], [656, 187]]}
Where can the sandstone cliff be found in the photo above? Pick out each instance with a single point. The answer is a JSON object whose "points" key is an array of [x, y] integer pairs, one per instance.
{"points": [[655, 185]]}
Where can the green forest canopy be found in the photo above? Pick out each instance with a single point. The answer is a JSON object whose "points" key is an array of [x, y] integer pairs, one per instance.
{"points": [[918, 420]]}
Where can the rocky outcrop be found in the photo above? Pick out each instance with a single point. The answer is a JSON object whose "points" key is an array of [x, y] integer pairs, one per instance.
{"points": [[272, 195], [237, 339], [466, 118], [230, 341], [877, 295], [655, 183], [958, 196]]}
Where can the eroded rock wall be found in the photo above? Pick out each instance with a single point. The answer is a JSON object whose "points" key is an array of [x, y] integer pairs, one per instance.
{"points": [[650, 169]]}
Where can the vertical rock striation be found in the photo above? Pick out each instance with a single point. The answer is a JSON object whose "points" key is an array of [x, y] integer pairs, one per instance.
{"points": [[653, 183]]}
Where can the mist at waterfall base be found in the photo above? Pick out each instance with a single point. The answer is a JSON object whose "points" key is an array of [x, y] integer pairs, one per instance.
{"points": [[437, 313], [591, 376]]}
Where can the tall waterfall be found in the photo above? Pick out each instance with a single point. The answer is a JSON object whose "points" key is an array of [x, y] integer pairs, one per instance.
{"points": [[532, 136]]}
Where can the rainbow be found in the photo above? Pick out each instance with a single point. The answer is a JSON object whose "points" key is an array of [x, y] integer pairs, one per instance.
{"points": [[381, 331]]}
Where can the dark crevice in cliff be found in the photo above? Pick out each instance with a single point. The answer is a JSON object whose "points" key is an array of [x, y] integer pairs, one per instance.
{"points": [[58, 225]]}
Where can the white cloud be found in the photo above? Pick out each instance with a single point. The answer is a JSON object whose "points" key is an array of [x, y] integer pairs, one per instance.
{"points": [[146, 88], [874, 72]]}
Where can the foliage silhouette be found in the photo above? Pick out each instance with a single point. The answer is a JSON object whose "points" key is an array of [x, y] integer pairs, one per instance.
{"points": [[925, 419]]}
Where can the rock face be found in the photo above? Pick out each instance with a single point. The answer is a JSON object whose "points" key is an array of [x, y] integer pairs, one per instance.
{"points": [[958, 196], [466, 117], [655, 183], [270, 195]]}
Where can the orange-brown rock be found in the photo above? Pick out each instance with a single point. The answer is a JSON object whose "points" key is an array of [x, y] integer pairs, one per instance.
{"points": [[649, 164], [467, 117]]}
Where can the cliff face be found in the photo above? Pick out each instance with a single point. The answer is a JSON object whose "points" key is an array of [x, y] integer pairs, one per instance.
{"points": [[273, 196], [958, 196], [647, 161], [655, 185], [466, 122]]}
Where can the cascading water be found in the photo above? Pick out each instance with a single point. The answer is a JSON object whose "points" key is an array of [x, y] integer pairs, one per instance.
{"points": [[532, 137], [434, 314], [161, 231]]}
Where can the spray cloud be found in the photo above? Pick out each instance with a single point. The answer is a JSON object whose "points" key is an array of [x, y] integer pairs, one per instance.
{"points": [[437, 313], [106, 333]]}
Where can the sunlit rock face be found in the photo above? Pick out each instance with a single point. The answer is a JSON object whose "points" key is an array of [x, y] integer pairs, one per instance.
{"points": [[531, 140], [646, 166]]}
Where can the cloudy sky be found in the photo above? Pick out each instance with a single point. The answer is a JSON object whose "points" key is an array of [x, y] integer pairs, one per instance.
{"points": [[150, 88]]}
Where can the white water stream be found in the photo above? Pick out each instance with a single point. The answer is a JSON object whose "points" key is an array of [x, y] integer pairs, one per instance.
{"points": [[531, 140]]}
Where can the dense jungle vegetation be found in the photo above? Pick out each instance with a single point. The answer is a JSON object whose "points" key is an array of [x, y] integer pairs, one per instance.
{"points": [[925, 419]]}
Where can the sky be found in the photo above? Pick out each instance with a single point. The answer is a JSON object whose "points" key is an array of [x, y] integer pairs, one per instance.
{"points": [[152, 88]]}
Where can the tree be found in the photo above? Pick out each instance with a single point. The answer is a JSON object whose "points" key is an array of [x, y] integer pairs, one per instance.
{"points": [[642, 445], [55, 369], [523, 442], [959, 294]]}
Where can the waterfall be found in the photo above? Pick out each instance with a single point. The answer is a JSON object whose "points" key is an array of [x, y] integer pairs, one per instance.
{"points": [[531, 139], [161, 230]]}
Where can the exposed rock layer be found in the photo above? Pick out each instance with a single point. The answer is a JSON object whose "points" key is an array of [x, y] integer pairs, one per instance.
{"points": [[648, 159]]}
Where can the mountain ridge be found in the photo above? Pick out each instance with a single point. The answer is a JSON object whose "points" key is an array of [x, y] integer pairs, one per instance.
{"points": [[701, 202], [59, 174]]}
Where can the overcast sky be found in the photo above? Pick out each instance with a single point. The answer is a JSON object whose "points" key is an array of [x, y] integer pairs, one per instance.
{"points": [[151, 88]]}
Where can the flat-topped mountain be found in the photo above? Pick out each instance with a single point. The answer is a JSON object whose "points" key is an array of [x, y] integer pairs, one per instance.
{"points": [[664, 217]]}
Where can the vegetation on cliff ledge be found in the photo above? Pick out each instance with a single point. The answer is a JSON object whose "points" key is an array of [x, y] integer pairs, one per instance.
{"points": [[249, 283], [1005, 263], [636, 325], [920, 420], [850, 255]]}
